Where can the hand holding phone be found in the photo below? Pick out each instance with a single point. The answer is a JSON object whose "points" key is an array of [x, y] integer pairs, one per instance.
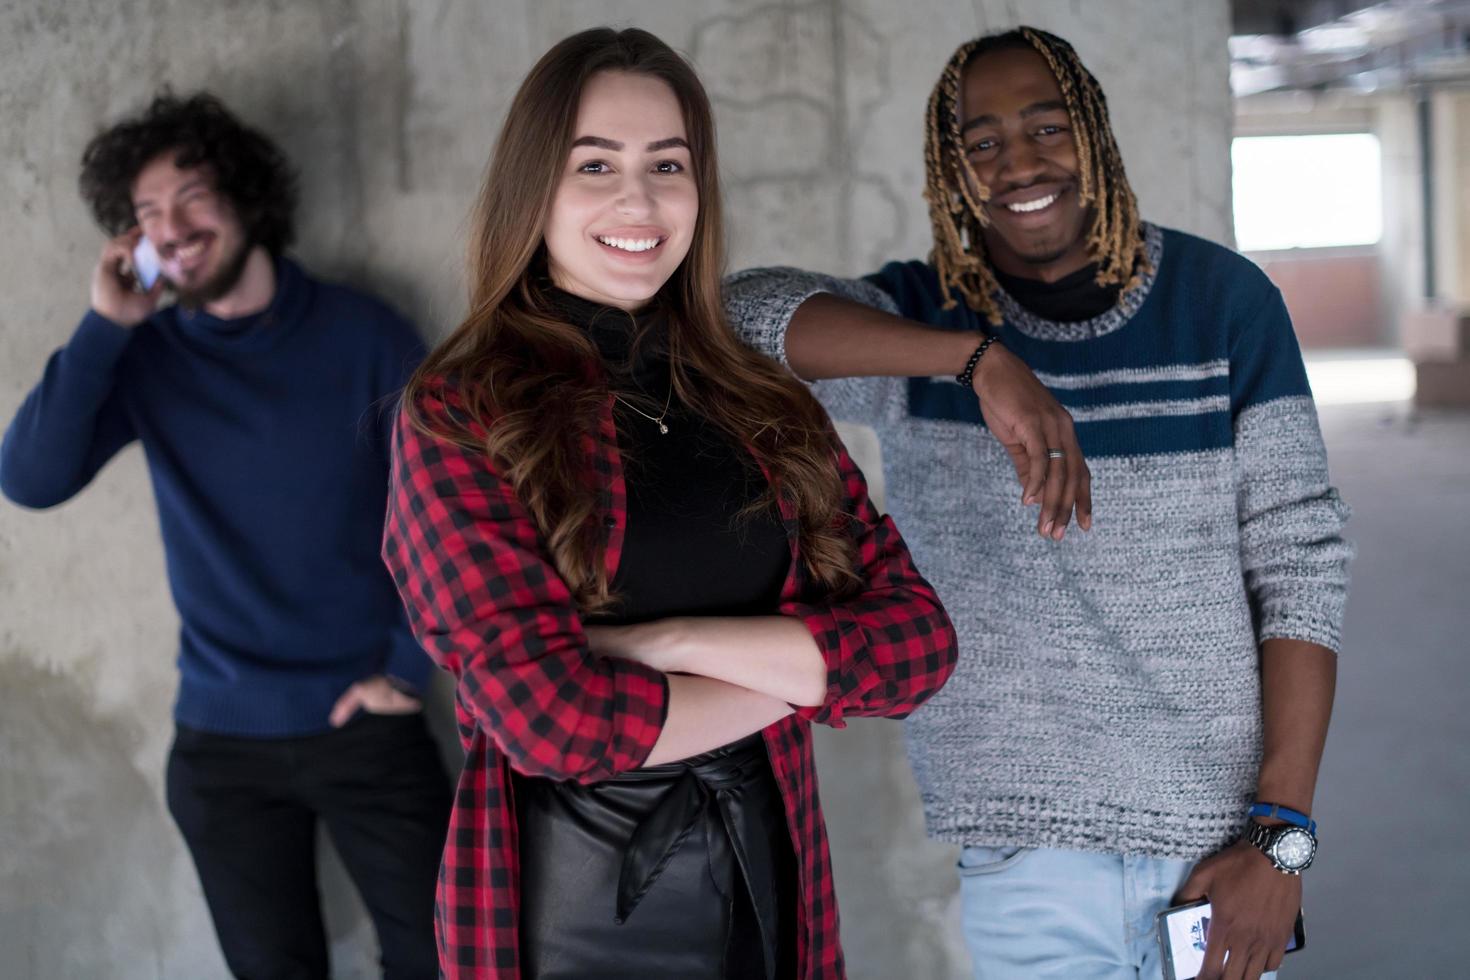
{"points": [[1185, 930], [146, 265], [114, 293]]}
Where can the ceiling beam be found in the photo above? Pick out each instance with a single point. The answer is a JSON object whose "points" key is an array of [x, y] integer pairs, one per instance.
{"points": [[1282, 17]]}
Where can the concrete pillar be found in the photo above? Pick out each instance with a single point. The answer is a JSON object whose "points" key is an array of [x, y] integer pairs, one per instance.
{"points": [[1435, 331], [1403, 211]]}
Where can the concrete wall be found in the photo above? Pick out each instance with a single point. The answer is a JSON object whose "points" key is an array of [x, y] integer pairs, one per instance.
{"points": [[389, 107], [1334, 295]]}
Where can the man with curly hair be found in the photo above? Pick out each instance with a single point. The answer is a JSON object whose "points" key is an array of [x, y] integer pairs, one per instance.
{"points": [[1140, 707], [260, 398]]}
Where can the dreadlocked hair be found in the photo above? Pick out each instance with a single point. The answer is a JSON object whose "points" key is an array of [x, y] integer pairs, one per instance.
{"points": [[956, 197]]}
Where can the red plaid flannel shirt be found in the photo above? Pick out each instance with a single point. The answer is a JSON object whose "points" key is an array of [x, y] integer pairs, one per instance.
{"points": [[487, 604]]}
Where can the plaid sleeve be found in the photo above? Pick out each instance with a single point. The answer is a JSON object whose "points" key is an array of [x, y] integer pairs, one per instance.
{"points": [[487, 604], [890, 646]]}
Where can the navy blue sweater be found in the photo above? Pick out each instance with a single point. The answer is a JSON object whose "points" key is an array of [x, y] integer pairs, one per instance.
{"points": [[266, 439]]}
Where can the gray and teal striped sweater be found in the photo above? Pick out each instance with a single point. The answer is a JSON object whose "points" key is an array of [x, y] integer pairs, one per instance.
{"points": [[1107, 696]]}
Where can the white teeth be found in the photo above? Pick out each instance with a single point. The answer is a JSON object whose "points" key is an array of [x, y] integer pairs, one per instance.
{"points": [[630, 244], [189, 251], [1035, 205]]}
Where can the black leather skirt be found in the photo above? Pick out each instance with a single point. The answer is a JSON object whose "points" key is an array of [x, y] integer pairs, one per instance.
{"points": [[680, 871]]}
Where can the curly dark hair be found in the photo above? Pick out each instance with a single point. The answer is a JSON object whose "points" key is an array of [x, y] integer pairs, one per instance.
{"points": [[249, 170]]}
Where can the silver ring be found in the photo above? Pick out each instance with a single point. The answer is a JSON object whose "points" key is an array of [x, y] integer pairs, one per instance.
{"points": [[1055, 454]]}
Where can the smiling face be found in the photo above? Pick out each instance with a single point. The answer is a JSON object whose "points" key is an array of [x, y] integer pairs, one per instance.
{"points": [[1017, 136], [201, 242], [624, 213]]}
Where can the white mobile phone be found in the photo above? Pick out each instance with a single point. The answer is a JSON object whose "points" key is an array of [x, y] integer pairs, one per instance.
{"points": [[146, 265], [1185, 929]]}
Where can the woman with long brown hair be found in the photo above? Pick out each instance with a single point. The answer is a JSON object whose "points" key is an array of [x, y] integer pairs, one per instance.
{"points": [[645, 556]]}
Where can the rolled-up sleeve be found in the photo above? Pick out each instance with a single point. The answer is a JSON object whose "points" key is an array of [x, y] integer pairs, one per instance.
{"points": [[760, 303], [889, 646]]}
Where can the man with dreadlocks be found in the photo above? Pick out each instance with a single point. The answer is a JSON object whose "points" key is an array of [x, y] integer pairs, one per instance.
{"points": [[1139, 711]]}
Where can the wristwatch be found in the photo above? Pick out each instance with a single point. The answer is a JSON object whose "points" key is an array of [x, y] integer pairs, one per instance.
{"points": [[1290, 848]]}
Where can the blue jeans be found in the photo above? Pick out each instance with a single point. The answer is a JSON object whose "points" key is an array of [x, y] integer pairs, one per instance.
{"points": [[1052, 913]]}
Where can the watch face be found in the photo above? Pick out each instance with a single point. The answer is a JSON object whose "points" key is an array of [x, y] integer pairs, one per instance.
{"points": [[1294, 848]]}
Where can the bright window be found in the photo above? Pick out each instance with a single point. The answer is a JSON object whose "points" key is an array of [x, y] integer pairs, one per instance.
{"points": [[1307, 191]]}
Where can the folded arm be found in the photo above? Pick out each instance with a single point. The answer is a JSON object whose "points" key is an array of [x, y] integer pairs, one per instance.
{"points": [[889, 646], [775, 655], [488, 605], [881, 651]]}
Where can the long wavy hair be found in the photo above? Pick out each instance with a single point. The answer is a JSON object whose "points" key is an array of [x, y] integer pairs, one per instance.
{"points": [[533, 385]]}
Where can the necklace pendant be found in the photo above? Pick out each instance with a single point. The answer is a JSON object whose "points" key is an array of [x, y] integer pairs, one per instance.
{"points": [[663, 430]]}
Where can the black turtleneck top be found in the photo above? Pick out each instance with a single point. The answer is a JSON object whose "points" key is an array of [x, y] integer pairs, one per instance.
{"points": [[1070, 299], [687, 549]]}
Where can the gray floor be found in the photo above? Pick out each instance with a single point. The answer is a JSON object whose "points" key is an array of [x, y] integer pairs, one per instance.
{"points": [[1389, 894]]}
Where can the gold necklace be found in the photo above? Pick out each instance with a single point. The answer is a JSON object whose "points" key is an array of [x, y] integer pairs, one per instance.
{"points": [[663, 428]]}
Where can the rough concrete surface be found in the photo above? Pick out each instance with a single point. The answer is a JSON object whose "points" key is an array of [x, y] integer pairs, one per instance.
{"points": [[389, 108]]}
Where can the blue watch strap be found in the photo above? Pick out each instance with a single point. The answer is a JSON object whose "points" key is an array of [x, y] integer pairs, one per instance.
{"points": [[1276, 811]]}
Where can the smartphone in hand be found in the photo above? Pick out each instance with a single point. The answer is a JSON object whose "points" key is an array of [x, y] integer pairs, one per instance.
{"points": [[1185, 929], [146, 266]]}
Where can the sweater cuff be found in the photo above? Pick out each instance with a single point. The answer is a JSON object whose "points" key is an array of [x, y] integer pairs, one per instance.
{"points": [[761, 302], [1305, 621], [408, 664]]}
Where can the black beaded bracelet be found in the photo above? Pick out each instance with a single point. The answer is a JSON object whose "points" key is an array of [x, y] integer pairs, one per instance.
{"points": [[966, 378]]}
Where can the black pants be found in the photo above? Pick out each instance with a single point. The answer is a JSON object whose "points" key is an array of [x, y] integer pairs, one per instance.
{"points": [[248, 809]]}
